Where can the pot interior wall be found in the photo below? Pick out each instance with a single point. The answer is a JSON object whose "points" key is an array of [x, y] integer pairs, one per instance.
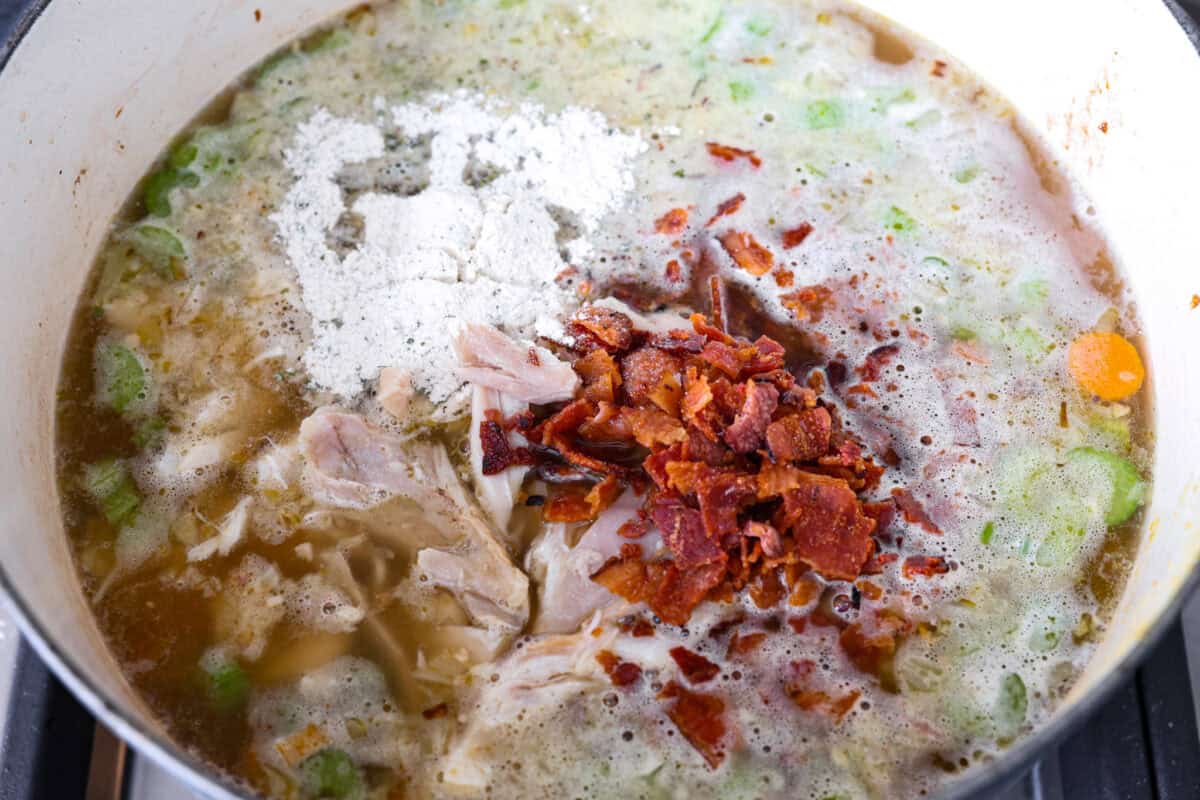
{"points": [[98, 87]]}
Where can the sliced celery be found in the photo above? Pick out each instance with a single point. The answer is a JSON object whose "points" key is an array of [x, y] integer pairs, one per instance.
{"points": [[331, 774], [122, 378], [112, 489]]}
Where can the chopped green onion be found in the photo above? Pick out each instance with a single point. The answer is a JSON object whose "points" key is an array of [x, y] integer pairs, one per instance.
{"points": [[898, 220], [112, 489], [941, 262], [823, 114], [157, 192], [227, 686], [331, 774], [989, 530], [122, 379], [714, 27], [739, 91]]}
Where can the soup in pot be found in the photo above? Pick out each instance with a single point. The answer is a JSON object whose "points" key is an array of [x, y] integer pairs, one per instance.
{"points": [[522, 398]]}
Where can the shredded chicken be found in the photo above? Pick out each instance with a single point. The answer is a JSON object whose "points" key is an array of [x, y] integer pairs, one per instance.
{"points": [[229, 534], [395, 391], [522, 371], [496, 493]]}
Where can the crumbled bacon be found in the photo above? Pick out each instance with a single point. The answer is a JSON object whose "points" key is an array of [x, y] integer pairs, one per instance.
{"points": [[612, 328], [913, 511], [794, 237], [871, 645], [749, 427], [653, 426], [876, 360], [747, 253], [727, 153], [652, 374], [600, 375], [436, 712], [767, 536], [831, 533], [695, 667], [621, 673], [678, 592], [726, 208], [498, 455], [684, 534], [744, 643], [672, 223], [699, 717], [800, 437], [624, 577], [925, 566], [808, 302], [800, 688]]}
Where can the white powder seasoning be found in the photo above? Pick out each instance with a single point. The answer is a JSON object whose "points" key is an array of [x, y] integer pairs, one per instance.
{"points": [[487, 250]]}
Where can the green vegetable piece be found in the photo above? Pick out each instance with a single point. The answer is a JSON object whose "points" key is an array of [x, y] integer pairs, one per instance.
{"points": [[930, 117], [824, 114], [112, 489], [1011, 706], [149, 433], [935, 260], [123, 381], [988, 532], [815, 171], [963, 334], [758, 26], [716, 25], [330, 40], [1031, 344], [898, 220], [228, 686], [157, 192], [740, 92], [331, 774], [276, 61], [967, 174], [183, 155], [1128, 488], [1034, 293], [159, 247]]}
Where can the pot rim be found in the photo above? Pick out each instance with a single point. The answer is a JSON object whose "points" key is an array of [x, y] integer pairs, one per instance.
{"points": [[198, 775]]}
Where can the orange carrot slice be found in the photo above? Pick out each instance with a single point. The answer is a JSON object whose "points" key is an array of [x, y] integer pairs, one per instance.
{"points": [[1106, 365]]}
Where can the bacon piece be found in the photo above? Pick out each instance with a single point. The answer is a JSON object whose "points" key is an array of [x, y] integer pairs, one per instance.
{"points": [[436, 712], [746, 433], [612, 328], [621, 673], [723, 357], [808, 302], [566, 421], [871, 645], [569, 506], [652, 426], [672, 223], [674, 271], [559, 432], [744, 644], [913, 511], [883, 512], [682, 476], [721, 496], [794, 237], [726, 208], [876, 360], [601, 377], [626, 577], [655, 465], [699, 447], [727, 153], [498, 455], [925, 566], [768, 590], [800, 437], [807, 588], [695, 667], [697, 398], [636, 528], [701, 325], [829, 531], [679, 592], [684, 535], [877, 562], [607, 424], [747, 253], [768, 356], [848, 452], [679, 341], [799, 688], [767, 536], [652, 374], [699, 717]]}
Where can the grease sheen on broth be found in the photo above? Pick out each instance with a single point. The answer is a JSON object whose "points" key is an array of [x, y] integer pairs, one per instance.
{"points": [[310, 656]]}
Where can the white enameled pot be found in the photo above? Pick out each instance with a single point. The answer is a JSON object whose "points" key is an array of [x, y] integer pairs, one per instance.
{"points": [[90, 90]]}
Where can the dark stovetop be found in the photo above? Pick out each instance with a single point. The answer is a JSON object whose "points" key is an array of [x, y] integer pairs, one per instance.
{"points": [[1142, 745]]}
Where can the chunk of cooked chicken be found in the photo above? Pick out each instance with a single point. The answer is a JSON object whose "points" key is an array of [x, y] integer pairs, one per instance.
{"points": [[395, 391], [521, 370], [350, 463]]}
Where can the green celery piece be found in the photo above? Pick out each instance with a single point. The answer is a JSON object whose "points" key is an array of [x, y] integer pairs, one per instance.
{"points": [[1012, 706], [112, 489], [1128, 488], [149, 433], [815, 171], [331, 774], [1058, 547], [1034, 293], [714, 27], [228, 686], [963, 333], [989, 531], [183, 155], [758, 26], [157, 192], [824, 114], [276, 61], [123, 381], [1030, 344], [967, 174], [331, 40], [159, 246], [897, 219], [739, 91], [941, 262]]}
